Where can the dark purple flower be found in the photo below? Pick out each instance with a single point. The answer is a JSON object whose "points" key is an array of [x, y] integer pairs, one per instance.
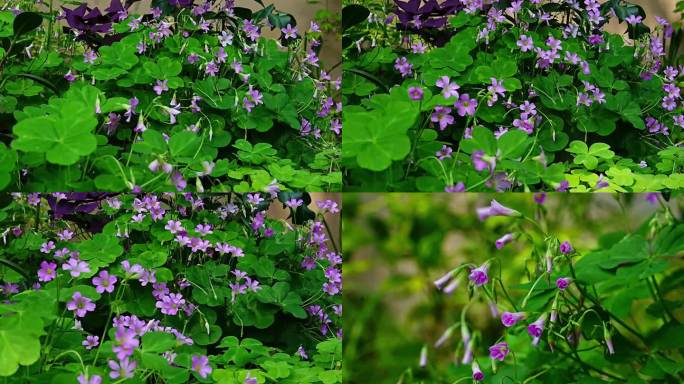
{"points": [[563, 283], [566, 248], [479, 275], [477, 373], [499, 351]]}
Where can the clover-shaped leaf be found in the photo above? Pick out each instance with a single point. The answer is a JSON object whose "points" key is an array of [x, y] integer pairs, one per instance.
{"points": [[377, 138], [589, 156], [64, 137]]}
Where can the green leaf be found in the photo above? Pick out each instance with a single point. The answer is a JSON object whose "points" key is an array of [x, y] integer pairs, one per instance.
{"points": [[184, 144], [63, 137], [513, 144], [378, 137], [26, 22], [353, 14], [101, 250]]}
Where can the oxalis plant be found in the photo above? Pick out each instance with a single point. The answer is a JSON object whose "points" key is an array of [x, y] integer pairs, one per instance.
{"points": [[168, 288], [187, 97], [569, 318], [469, 95]]}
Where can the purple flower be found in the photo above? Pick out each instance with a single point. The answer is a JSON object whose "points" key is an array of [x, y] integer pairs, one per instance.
{"points": [[495, 90], [525, 43], [536, 329], [289, 32], [563, 283], [495, 209], [444, 153], [566, 248], [76, 267], [423, 357], [465, 105], [439, 283], [91, 342], [122, 369], [449, 89], [104, 282], [403, 66], [200, 364], [249, 379], [302, 353], [416, 93], [479, 275], [47, 247], [161, 86], [634, 19], [442, 115], [499, 351], [539, 197], [477, 373], [508, 319], [80, 304], [503, 240], [482, 161], [85, 379], [459, 187], [47, 271], [170, 304]]}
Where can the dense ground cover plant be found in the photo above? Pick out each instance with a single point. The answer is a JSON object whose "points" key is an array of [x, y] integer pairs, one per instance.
{"points": [[510, 95], [534, 289], [188, 97], [167, 288]]}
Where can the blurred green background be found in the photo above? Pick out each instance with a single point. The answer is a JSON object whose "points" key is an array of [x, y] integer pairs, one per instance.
{"points": [[396, 245]]}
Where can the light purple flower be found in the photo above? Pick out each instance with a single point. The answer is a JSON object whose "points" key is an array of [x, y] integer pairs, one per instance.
{"points": [[200, 364], [444, 153], [289, 32], [161, 86], [509, 319], [525, 43], [47, 247], [495, 209], [123, 369], [86, 379], [104, 282], [80, 304], [47, 271], [503, 240], [465, 105], [449, 89], [76, 267], [302, 353], [442, 115], [91, 342]]}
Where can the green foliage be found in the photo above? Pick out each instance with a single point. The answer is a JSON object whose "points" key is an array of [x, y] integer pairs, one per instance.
{"points": [[590, 93], [88, 134], [625, 287], [249, 305]]}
